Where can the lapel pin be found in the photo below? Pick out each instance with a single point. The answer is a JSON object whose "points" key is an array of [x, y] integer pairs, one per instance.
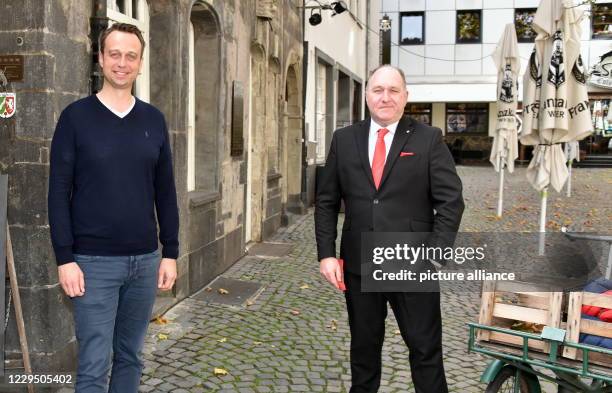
{"points": [[407, 131]]}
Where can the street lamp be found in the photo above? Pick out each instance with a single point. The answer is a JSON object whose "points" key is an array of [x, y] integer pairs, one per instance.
{"points": [[385, 23], [385, 40], [337, 7], [315, 18]]}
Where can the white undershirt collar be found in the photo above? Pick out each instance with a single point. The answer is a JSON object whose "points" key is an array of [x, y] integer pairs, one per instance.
{"points": [[117, 113], [374, 127]]}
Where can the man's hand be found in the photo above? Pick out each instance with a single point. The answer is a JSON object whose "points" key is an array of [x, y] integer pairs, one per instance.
{"points": [[71, 279], [330, 269], [167, 274]]}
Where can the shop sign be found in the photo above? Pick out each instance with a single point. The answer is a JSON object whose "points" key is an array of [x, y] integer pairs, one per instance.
{"points": [[601, 73]]}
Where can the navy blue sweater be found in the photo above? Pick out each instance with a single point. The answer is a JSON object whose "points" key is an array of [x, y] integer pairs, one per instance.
{"points": [[109, 176]]}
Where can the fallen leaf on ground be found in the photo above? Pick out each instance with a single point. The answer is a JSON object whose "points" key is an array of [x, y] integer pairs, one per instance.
{"points": [[222, 340], [257, 343], [208, 289], [220, 372], [397, 332], [162, 336], [250, 303], [305, 286], [295, 312], [160, 320], [223, 291], [333, 325]]}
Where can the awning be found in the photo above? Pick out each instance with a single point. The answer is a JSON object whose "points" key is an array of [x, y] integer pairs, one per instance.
{"points": [[456, 92]]}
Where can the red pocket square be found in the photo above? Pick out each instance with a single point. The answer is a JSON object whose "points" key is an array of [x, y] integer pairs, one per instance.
{"points": [[406, 153]]}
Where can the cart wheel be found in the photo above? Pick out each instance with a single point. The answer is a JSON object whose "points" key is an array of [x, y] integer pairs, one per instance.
{"points": [[505, 381]]}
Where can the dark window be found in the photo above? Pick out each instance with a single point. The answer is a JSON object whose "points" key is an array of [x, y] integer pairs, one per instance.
{"points": [[469, 26], [419, 112], [356, 101], [601, 19], [412, 28], [470, 118], [135, 9], [121, 6], [523, 18]]}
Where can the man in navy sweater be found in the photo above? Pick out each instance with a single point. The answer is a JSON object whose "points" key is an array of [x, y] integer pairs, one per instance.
{"points": [[111, 176]]}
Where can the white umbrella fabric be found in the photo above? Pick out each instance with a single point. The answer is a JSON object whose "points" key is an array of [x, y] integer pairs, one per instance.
{"points": [[505, 143], [555, 99]]}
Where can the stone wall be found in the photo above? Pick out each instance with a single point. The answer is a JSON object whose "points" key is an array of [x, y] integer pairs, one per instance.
{"points": [[54, 42], [259, 51]]}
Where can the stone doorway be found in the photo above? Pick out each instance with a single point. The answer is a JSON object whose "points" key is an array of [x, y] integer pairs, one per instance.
{"points": [[292, 127]]}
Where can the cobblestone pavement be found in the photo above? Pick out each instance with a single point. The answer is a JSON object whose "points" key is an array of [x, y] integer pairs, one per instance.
{"points": [[295, 337]]}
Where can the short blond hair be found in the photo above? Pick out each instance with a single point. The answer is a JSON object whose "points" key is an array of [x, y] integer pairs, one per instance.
{"points": [[124, 28]]}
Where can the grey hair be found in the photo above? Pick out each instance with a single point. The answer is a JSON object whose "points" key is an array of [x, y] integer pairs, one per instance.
{"points": [[399, 71]]}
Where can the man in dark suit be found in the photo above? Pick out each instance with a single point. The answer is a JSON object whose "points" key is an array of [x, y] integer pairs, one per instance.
{"points": [[394, 175]]}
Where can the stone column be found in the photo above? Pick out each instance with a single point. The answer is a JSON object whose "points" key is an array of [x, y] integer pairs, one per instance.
{"points": [[53, 38]]}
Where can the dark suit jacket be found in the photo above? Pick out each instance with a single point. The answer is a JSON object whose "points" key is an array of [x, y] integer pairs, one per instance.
{"points": [[412, 186]]}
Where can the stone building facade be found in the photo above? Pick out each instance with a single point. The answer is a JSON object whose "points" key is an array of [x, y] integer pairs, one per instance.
{"points": [[227, 74]]}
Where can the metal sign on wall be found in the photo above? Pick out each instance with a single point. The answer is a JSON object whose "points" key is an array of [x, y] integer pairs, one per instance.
{"points": [[12, 66], [8, 104]]}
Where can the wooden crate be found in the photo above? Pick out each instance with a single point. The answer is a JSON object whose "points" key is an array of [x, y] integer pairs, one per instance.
{"points": [[529, 303], [576, 325]]}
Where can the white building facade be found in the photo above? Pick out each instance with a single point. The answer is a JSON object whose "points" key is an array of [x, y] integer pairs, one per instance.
{"points": [[336, 53], [445, 47]]}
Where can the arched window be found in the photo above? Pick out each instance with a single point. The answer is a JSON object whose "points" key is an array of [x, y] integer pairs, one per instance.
{"points": [[204, 95], [135, 12]]}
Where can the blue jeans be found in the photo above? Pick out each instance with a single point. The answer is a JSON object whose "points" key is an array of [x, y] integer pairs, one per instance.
{"points": [[113, 314]]}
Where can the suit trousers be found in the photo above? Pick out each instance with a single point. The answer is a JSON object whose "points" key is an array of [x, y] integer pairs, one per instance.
{"points": [[420, 323]]}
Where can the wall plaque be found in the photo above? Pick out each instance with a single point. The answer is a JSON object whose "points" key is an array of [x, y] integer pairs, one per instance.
{"points": [[12, 66]]}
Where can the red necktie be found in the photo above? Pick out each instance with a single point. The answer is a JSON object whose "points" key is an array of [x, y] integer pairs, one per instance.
{"points": [[380, 153]]}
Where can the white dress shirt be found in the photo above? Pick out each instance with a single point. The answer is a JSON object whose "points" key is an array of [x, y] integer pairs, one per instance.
{"points": [[374, 135]]}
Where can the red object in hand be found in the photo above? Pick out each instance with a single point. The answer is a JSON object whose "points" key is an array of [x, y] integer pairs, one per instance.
{"points": [[341, 284]]}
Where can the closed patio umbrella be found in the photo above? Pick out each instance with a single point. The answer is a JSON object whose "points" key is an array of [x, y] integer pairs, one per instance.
{"points": [[505, 143], [555, 99]]}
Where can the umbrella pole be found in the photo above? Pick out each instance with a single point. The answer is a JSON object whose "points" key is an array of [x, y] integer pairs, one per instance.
{"points": [[544, 196], [500, 202], [569, 179]]}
